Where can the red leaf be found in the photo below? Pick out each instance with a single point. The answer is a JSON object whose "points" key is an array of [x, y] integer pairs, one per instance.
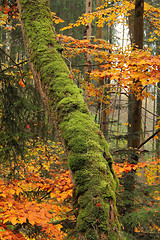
{"points": [[70, 76], [99, 204]]}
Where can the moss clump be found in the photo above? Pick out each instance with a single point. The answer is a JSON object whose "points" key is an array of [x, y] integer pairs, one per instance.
{"points": [[77, 162], [76, 131], [82, 176], [69, 104]]}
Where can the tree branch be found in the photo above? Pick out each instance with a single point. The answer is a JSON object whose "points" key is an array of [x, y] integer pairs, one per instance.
{"points": [[147, 140]]}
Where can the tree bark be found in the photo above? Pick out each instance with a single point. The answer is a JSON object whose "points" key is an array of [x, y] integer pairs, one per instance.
{"points": [[136, 105], [88, 29], [158, 105], [99, 29], [103, 116], [94, 198], [135, 108], [87, 35]]}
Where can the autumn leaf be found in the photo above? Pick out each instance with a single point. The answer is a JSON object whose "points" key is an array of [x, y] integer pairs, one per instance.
{"points": [[99, 204], [21, 83]]}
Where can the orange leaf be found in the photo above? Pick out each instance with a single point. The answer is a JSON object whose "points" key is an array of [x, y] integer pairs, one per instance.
{"points": [[21, 83], [99, 204]]}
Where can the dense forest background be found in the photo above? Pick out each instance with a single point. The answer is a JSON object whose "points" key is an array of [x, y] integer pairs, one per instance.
{"points": [[35, 183]]}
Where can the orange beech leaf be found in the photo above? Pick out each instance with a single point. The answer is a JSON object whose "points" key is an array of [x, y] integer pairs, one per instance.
{"points": [[21, 83], [13, 220], [99, 204]]}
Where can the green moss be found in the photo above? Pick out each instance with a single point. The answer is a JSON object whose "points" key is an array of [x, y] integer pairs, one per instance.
{"points": [[91, 234], [82, 176], [101, 166], [89, 157], [77, 162], [93, 213], [69, 104], [85, 199], [76, 123]]}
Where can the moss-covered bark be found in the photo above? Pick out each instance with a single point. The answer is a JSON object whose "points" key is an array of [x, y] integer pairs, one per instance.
{"points": [[95, 184]]}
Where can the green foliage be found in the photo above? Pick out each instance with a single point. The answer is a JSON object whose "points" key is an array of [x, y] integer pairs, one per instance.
{"points": [[13, 107], [22, 116], [69, 11], [140, 211]]}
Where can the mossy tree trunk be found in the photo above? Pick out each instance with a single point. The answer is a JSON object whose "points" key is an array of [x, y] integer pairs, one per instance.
{"points": [[94, 198]]}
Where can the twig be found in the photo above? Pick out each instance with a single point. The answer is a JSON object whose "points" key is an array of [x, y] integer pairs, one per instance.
{"points": [[154, 134], [150, 112], [13, 66], [10, 58]]}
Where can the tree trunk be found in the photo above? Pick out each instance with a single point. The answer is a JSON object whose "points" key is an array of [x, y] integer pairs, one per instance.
{"points": [[158, 113], [88, 28], [131, 34], [158, 104], [99, 29], [138, 24], [135, 110], [95, 184], [102, 106], [87, 34]]}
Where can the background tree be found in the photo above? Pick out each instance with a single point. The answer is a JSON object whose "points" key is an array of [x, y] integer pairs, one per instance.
{"points": [[136, 108], [135, 119]]}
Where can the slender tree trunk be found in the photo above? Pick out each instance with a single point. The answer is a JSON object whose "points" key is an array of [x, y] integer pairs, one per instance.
{"points": [[88, 34], [135, 110], [88, 29], [154, 118], [88, 58], [95, 184], [103, 115], [99, 29], [136, 129], [138, 24], [135, 106], [103, 118], [158, 113], [131, 34], [158, 103]]}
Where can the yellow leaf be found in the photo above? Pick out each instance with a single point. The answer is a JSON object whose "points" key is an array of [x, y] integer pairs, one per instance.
{"points": [[134, 75], [9, 204], [18, 191], [5, 220], [52, 195], [3, 195], [141, 62], [12, 191]]}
